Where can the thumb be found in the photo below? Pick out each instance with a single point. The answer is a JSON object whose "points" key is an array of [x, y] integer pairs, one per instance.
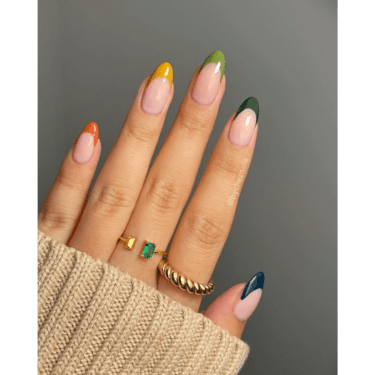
{"points": [[231, 309]]}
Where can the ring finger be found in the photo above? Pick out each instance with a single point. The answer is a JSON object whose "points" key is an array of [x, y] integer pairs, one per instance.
{"points": [[205, 225]]}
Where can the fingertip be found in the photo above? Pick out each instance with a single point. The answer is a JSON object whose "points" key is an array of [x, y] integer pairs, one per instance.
{"points": [[221, 310], [250, 297], [83, 149], [233, 308]]}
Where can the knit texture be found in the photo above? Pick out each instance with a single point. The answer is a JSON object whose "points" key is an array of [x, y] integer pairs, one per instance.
{"points": [[94, 319]]}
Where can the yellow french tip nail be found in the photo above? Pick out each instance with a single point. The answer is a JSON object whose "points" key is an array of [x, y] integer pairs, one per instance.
{"points": [[163, 70]]}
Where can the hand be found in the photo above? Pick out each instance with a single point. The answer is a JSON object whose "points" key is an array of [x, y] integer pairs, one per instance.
{"points": [[128, 200]]}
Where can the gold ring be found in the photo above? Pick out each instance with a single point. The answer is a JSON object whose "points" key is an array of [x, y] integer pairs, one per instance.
{"points": [[129, 242], [148, 249], [184, 283]]}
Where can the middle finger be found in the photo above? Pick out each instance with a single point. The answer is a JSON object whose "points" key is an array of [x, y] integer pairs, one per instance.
{"points": [[171, 177]]}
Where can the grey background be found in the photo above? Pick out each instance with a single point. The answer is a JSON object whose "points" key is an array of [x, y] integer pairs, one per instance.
{"points": [[94, 54]]}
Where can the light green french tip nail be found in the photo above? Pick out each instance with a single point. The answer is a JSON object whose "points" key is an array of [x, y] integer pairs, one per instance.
{"points": [[216, 57]]}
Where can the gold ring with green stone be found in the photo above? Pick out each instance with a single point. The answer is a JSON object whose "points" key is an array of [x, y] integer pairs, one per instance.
{"points": [[149, 250]]}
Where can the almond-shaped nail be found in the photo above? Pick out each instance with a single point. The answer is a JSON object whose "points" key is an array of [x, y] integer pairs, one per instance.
{"points": [[208, 81], [157, 89], [243, 126], [250, 297], [84, 148]]}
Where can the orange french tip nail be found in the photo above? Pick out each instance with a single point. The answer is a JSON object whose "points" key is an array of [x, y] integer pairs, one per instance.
{"points": [[93, 129], [163, 70]]}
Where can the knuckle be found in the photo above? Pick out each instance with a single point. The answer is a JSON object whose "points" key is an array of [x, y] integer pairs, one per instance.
{"points": [[50, 218], [225, 166], [141, 132], [111, 199], [207, 231], [164, 194], [193, 121], [69, 181]]}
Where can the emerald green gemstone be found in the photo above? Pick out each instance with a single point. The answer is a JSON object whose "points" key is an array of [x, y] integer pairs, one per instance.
{"points": [[148, 250]]}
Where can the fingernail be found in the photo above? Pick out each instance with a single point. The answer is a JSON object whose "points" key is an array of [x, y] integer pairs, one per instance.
{"points": [[250, 297], [86, 142], [157, 89], [208, 81], [244, 123]]}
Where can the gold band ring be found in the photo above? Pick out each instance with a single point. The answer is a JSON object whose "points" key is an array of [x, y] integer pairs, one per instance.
{"points": [[129, 242], [148, 249], [182, 282]]}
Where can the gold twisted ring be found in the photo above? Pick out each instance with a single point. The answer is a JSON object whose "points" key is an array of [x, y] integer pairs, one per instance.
{"points": [[182, 282]]}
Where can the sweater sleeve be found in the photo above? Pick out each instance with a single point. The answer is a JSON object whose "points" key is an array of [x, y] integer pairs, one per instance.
{"points": [[94, 319]]}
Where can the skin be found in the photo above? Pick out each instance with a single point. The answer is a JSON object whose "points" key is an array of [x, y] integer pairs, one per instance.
{"points": [[128, 199]]}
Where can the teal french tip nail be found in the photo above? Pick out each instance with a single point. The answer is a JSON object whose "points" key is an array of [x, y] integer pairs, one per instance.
{"points": [[256, 282], [216, 57], [251, 103]]}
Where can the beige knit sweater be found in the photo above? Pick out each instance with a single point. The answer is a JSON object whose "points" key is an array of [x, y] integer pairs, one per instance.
{"points": [[93, 319]]}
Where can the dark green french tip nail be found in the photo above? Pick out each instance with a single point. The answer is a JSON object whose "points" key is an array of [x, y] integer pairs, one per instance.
{"points": [[256, 282], [216, 57], [251, 103]]}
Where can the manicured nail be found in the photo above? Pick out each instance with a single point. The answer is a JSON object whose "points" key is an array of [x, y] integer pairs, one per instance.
{"points": [[244, 123], [86, 142], [250, 297], [208, 81], [157, 89]]}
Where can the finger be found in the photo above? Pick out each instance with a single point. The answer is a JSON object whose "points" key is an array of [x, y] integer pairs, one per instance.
{"points": [[117, 188], [232, 309], [172, 175], [62, 208], [205, 225]]}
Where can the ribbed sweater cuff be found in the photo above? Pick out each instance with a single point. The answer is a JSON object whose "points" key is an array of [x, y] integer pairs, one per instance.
{"points": [[94, 319]]}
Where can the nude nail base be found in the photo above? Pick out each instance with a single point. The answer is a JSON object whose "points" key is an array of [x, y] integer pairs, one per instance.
{"points": [[250, 297], [244, 123]]}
